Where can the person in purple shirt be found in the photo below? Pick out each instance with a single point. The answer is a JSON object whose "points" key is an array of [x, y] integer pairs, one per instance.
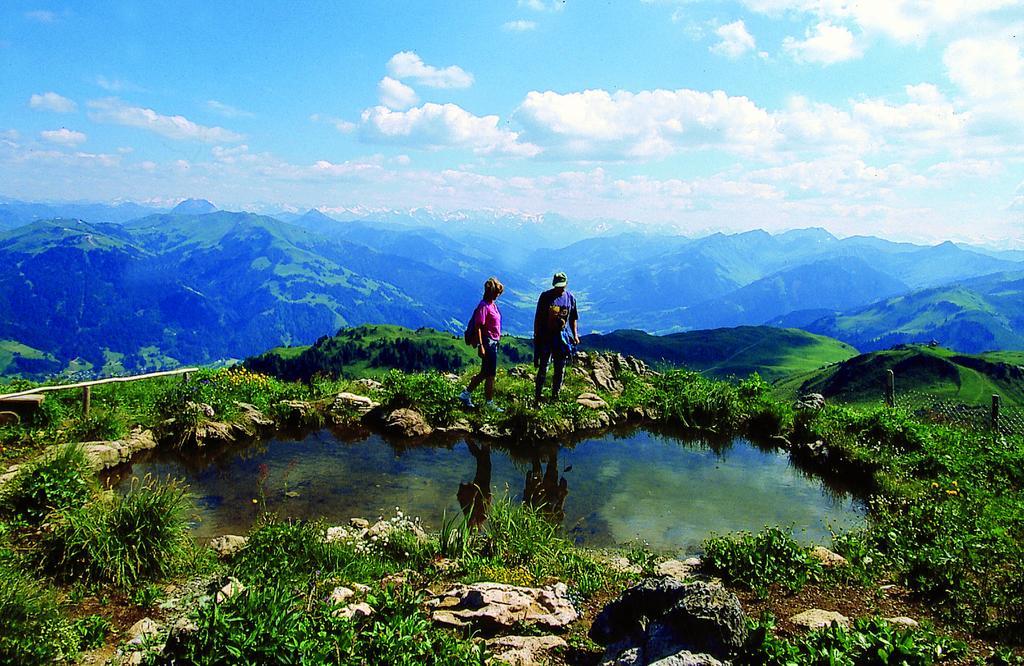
{"points": [[554, 328], [487, 322]]}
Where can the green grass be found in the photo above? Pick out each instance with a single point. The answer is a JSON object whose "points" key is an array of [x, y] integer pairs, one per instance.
{"points": [[34, 631], [57, 481], [730, 352], [936, 372]]}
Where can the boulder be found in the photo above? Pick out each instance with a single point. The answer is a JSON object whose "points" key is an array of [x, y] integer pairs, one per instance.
{"points": [[254, 416], [382, 528], [213, 432], [461, 426], [353, 401], [359, 523], [606, 371], [903, 621], [297, 412], [101, 455], [229, 590], [352, 610], [340, 595], [368, 384], [816, 618], [676, 569], [226, 546], [524, 650], [493, 607], [200, 408], [661, 618], [828, 558], [143, 630], [591, 401], [407, 423], [810, 401]]}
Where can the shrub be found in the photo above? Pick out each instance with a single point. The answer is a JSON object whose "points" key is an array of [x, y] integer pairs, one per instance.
{"points": [[757, 561], [698, 403], [56, 481], [122, 539], [274, 623], [101, 424], [430, 393], [91, 630], [33, 629], [868, 641]]}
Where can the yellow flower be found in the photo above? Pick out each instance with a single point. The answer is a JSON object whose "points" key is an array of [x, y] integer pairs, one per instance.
{"points": [[952, 492], [934, 485], [255, 501]]}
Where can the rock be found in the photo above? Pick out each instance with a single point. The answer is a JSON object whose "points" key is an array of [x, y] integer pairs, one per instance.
{"points": [[101, 455], [493, 431], [636, 657], [460, 426], [903, 621], [200, 408], [230, 589], [606, 371], [828, 558], [524, 650], [360, 588], [213, 431], [622, 565], [664, 617], [383, 528], [495, 606], [810, 401], [522, 372], [144, 629], [350, 611], [359, 403], [359, 523], [226, 546], [675, 569], [815, 618], [397, 579], [297, 411], [407, 423], [369, 384], [254, 416], [591, 401], [340, 594]]}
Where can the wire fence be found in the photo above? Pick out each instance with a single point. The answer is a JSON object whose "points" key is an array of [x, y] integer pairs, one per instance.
{"points": [[994, 418]]}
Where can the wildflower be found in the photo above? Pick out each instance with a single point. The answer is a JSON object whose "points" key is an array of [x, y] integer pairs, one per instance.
{"points": [[952, 492], [255, 501], [935, 485]]}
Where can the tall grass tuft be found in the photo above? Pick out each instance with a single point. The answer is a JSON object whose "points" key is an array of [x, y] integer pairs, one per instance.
{"points": [[32, 629], [58, 480], [122, 539]]}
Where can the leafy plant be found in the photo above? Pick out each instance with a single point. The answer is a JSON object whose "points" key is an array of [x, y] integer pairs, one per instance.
{"points": [[757, 561], [33, 629], [122, 539], [92, 630], [430, 393], [56, 481]]}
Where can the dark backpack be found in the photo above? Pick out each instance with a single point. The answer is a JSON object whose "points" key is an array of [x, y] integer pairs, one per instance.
{"points": [[470, 336]]}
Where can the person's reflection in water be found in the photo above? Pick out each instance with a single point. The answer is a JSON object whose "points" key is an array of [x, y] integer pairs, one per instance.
{"points": [[475, 497], [545, 489]]}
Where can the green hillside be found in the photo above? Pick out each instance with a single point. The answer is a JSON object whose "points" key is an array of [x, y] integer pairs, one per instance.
{"points": [[366, 351], [973, 316], [21, 360], [773, 353], [921, 372]]}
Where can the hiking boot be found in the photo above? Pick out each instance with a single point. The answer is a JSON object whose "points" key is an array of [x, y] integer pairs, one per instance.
{"points": [[493, 407], [467, 399]]}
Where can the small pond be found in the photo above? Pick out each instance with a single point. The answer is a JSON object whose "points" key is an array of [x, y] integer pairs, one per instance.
{"points": [[605, 490]]}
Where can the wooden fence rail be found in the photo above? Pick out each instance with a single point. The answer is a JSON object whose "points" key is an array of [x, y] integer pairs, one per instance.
{"points": [[87, 386]]}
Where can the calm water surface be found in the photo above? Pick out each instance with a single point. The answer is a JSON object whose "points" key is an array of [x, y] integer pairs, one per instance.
{"points": [[604, 491]]}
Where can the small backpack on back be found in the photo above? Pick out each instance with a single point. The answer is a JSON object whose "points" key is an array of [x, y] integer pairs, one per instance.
{"points": [[470, 336]]}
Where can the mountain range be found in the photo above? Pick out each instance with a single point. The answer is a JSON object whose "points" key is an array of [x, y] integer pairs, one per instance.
{"points": [[124, 288]]}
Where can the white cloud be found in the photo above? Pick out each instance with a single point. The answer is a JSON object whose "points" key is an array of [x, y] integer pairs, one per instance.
{"points": [[984, 69], [825, 44], [41, 16], [395, 94], [117, 85], [735, 40], [340, 124], [227, 110], [402, 160], [442, 126], [113, 110], [656, 123], [901, 20], [408, 65], [542, 5], [813, 125], [519, 26], [51, 101], [928, 117], [63, 136]]}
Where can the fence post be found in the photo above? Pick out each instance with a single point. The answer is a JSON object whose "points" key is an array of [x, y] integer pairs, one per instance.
{"points": [[996, 400], [890, 388], [184, 378], [86, 401]]}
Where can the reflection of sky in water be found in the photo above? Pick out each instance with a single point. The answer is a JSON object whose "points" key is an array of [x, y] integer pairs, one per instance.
{"points": [[667, 491]]}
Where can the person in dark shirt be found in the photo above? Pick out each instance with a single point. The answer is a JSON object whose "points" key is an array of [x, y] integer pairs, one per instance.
{"points": [[555, 331]]}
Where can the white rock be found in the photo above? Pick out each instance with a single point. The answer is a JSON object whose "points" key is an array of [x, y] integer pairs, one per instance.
{"points": [[340, 594], [903, 621], [230, 589], [815, 618], [828, 558], [227, 545], [143, 629], [350, 611], [675, 568], [524, 650]]}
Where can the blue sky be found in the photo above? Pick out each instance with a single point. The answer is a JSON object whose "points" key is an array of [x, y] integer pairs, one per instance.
{"points": [[899, 118]]}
